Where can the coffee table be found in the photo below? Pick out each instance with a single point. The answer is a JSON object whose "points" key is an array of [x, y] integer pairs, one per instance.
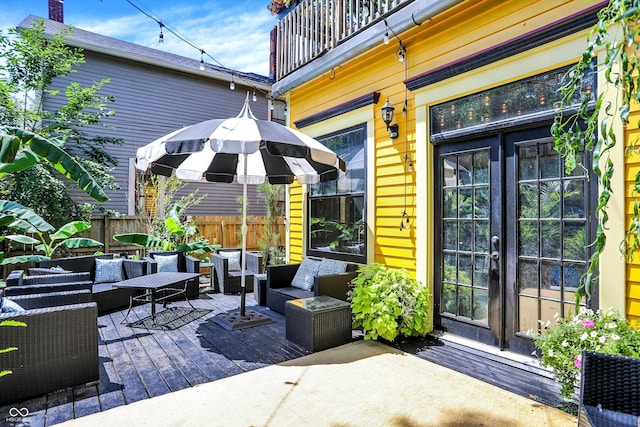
{"points": [[318, 323], [260, 288], [153, 283]]}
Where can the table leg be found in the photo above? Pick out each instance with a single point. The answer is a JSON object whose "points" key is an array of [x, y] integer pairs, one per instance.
{"points": [[153, 306]]}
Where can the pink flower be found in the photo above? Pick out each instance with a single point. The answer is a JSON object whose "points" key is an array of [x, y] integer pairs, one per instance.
{"points": [[588, 323], [577, 361]]}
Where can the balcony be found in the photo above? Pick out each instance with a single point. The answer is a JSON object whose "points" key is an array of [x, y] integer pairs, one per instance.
{"points": [[314, 27]]}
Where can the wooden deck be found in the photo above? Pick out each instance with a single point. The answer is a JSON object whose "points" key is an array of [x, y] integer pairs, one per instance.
{"points": [[137, 363]]}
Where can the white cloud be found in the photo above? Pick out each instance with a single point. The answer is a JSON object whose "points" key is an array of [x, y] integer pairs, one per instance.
{"points": [[237, 37]]}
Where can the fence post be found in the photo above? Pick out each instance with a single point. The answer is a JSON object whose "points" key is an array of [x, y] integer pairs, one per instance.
{"points": [[106, 233]]}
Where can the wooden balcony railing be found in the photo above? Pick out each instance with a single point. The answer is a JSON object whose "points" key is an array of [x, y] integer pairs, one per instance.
{"points": [[316, 26]]}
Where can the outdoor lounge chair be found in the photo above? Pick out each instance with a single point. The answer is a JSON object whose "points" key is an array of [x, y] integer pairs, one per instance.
{"points": [[184, 264], [57, 349], [227, 278], [609, 390], [280, 289]]}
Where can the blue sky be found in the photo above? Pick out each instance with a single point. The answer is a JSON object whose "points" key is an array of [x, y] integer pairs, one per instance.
{"points": [[234, 32]]}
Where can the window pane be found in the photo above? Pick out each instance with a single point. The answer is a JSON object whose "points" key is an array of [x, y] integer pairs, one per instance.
{"points": [[450, 235], [482, 236], [335, 219], [528, 196], [528, 238], [551, 239], [466, 235], [528, 277]]}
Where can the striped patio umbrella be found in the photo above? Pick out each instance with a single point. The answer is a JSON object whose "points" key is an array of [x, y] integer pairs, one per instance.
{"points": [[245, 148]]}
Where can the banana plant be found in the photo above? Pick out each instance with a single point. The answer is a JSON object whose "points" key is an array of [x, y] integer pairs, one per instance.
{"points": [[18, 217], [21, 149], [178, 232]]}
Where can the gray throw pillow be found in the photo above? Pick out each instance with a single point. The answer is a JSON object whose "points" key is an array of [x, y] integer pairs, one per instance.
{"points": [[108, 270], [167, 263], [234, 259], [306, 274], [330, 266]]}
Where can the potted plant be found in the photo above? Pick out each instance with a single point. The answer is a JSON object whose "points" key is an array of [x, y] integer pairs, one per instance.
{"points": [[561, 344], [387, 303]]}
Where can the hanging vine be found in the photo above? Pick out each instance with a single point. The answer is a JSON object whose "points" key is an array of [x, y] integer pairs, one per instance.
{"points": [[590, 128]]}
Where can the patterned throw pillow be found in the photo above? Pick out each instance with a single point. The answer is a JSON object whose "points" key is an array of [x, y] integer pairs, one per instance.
{"points": [[306, 274], [330, 266], [168, 263], [108, 270], [233, 257]]}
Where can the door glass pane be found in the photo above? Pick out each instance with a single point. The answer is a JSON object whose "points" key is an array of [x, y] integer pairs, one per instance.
{"points": [[552, 242], [450, 230], [528, 198], [481, 167], [481, 202], [464, 301], [481, 304], [481, 236], [465, 234], [528, 238], [450, 203]]}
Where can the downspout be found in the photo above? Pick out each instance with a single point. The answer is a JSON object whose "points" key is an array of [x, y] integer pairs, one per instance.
{"points": [[400, 21]]}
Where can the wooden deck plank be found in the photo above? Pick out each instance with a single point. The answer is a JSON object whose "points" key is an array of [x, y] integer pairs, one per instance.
{"points": [[123, 367], [138, 363]]}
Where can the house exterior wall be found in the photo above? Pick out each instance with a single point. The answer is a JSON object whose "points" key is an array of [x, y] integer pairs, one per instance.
{"points": [[632, 168], [466, 30], [150, 102]]}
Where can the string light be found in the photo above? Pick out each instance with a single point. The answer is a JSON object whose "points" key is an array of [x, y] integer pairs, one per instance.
{"points": [[385, 40], [162, 25], [255, 98]]}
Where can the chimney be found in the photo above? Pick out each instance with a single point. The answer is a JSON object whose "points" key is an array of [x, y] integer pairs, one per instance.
{"points": [[56, 12]]}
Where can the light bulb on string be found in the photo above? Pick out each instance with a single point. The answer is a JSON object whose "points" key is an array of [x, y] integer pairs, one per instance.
{"points": [[385, 40], [255, 98], [201, 60], [161, 36], [232, 85]]}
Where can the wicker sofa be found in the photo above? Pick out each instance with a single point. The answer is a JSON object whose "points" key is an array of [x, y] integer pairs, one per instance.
{"points": [[57, 349], [228, 280], [77, 273], [609, 390], [279, 289]]}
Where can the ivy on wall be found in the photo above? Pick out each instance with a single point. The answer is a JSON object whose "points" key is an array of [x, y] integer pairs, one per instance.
{"points": [[588, 129]]}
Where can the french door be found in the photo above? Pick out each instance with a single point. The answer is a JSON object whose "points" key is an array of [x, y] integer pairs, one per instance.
{"points": [[512, 233]]}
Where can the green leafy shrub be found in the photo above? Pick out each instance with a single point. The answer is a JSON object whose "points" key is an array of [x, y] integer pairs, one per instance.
{"points": [[561, 344], [386, 303]]}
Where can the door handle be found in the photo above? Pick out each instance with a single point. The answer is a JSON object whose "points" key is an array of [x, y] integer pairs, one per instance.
{"points": [[495, 255]]}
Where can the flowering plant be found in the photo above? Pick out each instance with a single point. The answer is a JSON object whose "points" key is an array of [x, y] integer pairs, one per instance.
{"points": [[561, 344], [277, 6]]}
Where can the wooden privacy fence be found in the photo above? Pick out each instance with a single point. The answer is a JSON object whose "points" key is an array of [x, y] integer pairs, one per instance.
{"points": [[222, 230]]}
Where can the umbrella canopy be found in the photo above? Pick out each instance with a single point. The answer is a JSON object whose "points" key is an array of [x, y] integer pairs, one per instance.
{"points": [[275, 152], [245, 148]]}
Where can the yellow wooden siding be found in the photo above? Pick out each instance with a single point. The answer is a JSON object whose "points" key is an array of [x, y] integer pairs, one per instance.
{"points": [[461, 31], [632, 167]]}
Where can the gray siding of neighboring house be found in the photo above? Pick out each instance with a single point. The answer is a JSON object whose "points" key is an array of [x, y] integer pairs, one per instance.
{"points": [[150, 102]]}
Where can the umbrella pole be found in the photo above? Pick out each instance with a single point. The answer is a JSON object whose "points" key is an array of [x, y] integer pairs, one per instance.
{"points": [[244, 240]]}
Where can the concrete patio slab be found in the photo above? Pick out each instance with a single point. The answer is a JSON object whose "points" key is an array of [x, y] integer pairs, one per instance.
{"points": [[363, 383]]}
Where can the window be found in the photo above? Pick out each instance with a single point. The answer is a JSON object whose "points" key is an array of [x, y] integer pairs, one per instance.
{"points": [[336, 224]]}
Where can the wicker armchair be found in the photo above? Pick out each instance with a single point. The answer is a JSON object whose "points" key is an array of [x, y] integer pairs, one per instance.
{"points": [[57, 349], [609, 391], [186, 264], [229, 281]]}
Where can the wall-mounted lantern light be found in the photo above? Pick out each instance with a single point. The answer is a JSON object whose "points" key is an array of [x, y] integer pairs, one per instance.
{"points": [[387, 118]]}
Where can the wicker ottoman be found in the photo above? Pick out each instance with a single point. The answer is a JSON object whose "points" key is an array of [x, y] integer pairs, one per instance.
{"points": [[318, 323]]}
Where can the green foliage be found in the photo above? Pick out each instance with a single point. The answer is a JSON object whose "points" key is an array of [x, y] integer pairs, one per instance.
{"points": [[386, 303], [4, 372], [15, 216], [180, 236], [33, 61], [268, 243], [591, 128], [561, 344]]}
